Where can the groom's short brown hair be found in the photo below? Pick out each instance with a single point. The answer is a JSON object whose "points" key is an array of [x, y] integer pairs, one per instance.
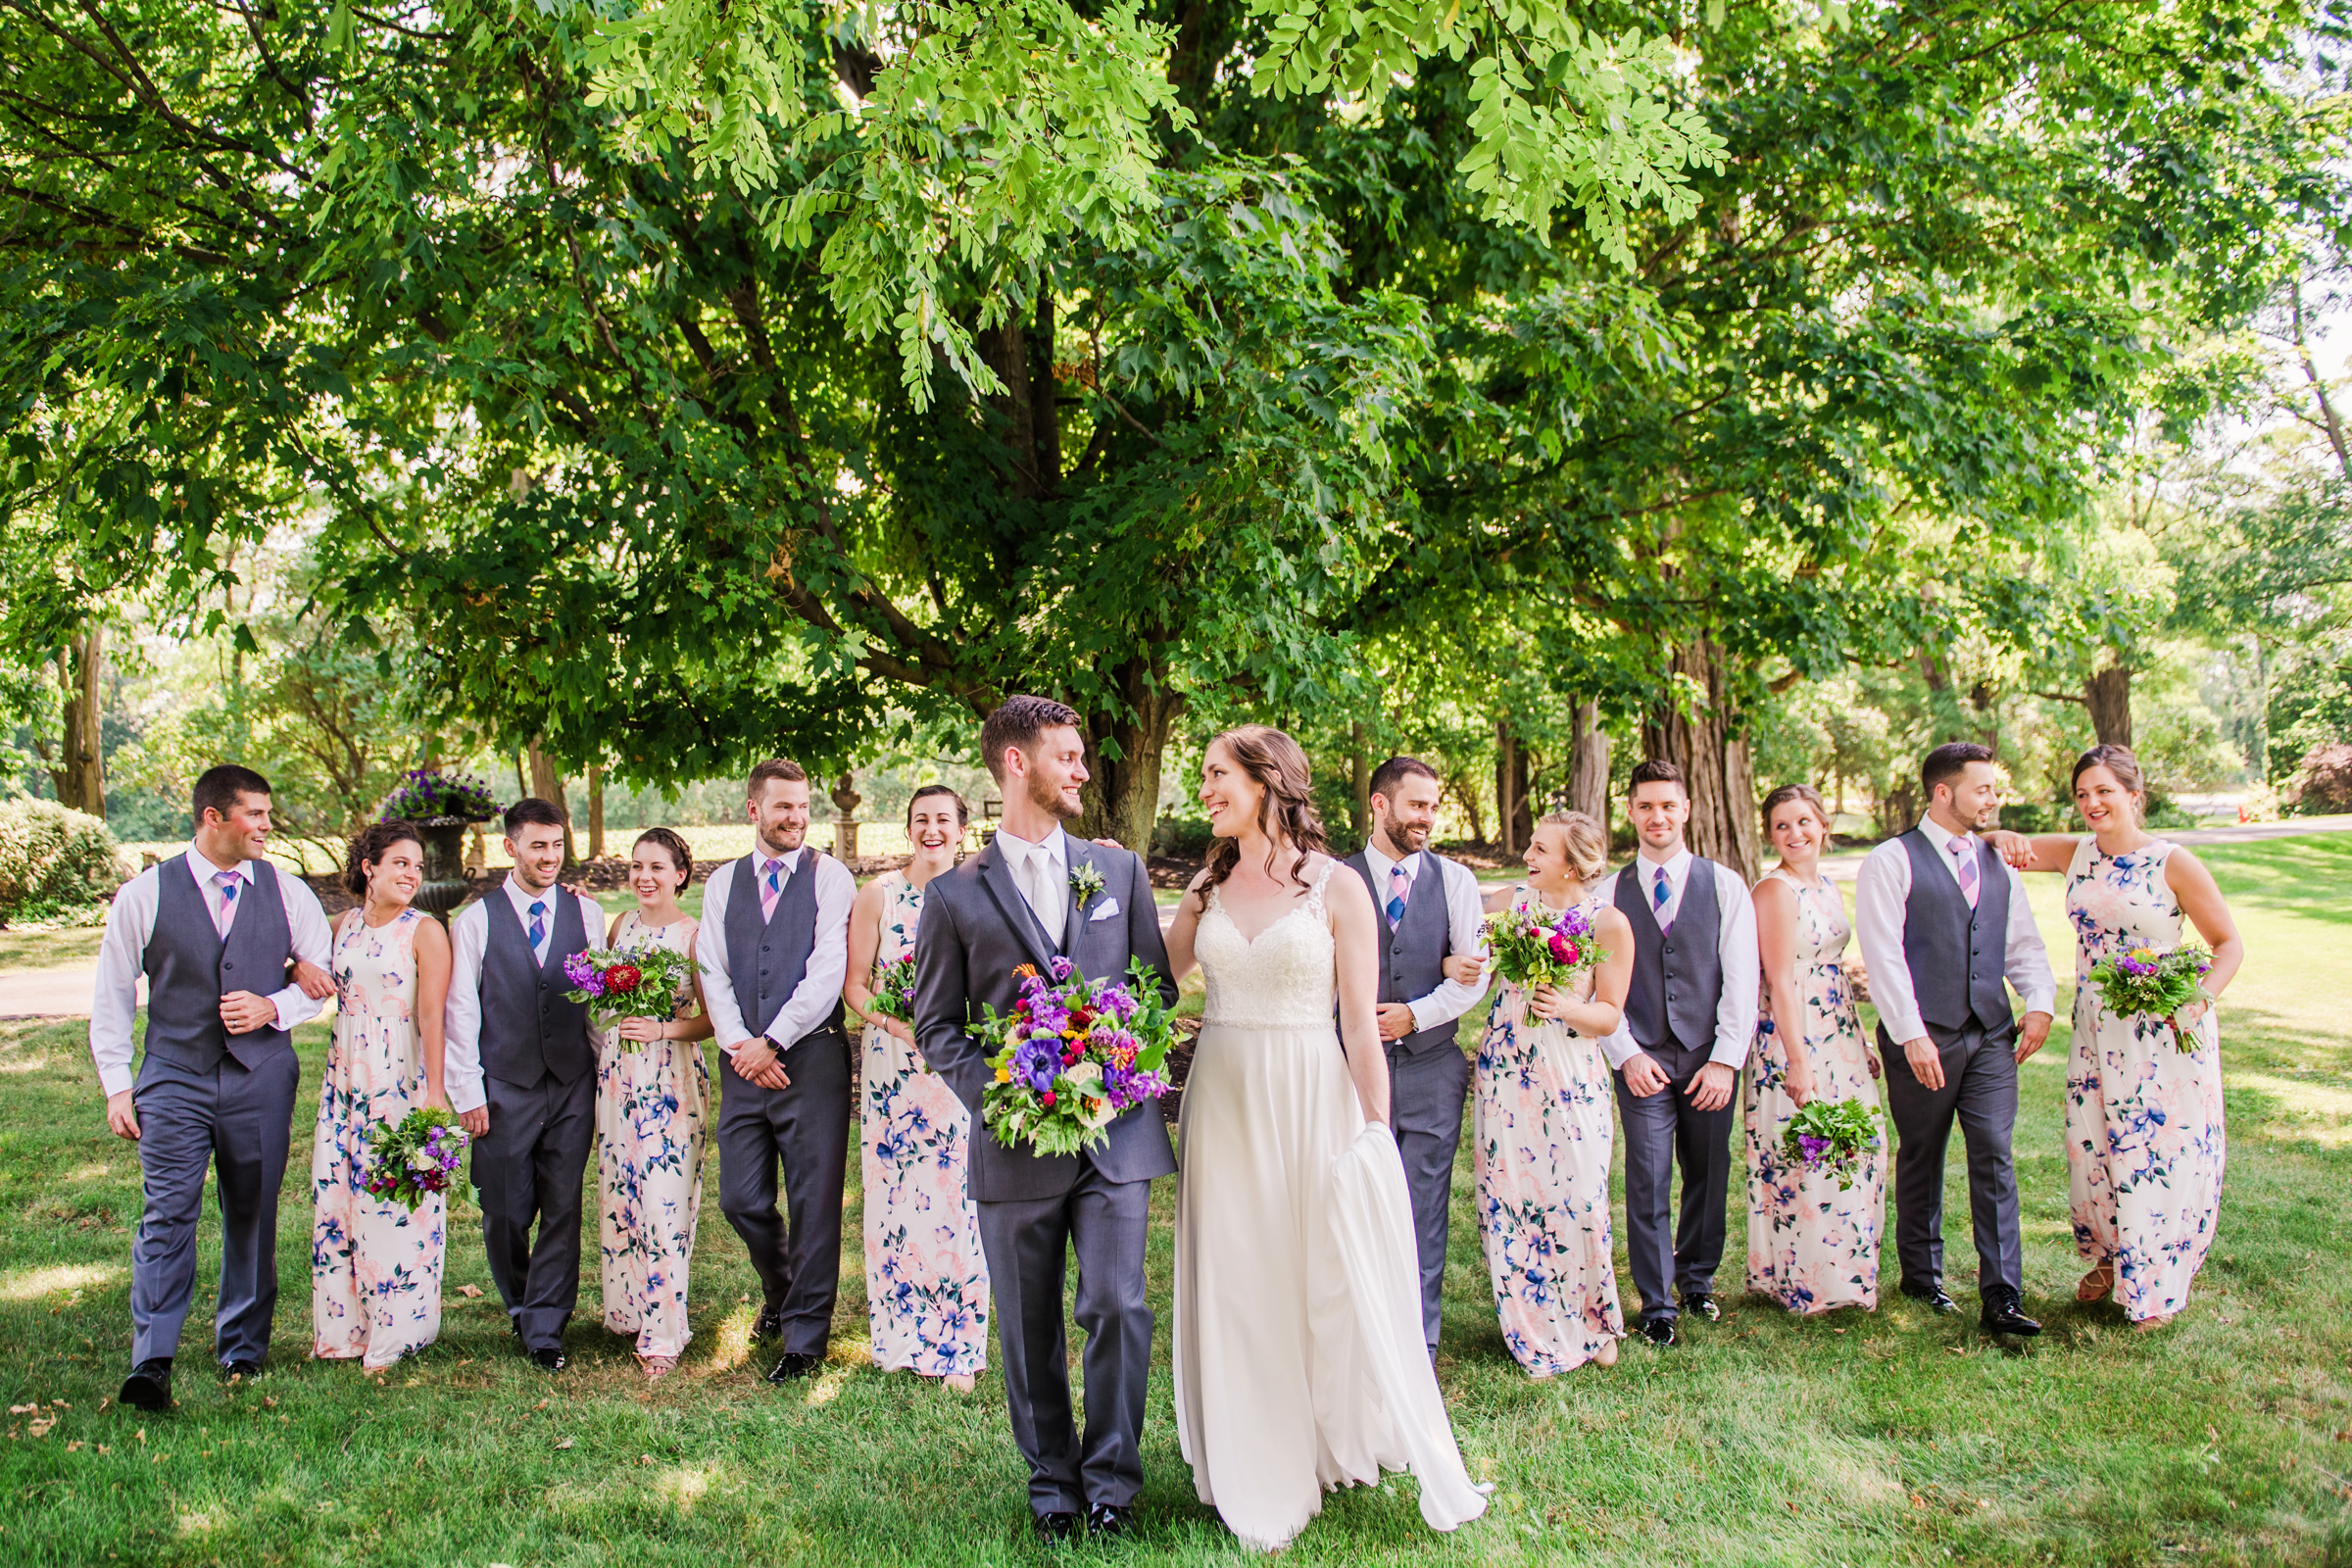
{"points": [[1019, 721]]}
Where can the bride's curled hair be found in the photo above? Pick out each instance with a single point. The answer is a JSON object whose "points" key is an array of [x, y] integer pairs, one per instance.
{"points": [[1286, 810]]}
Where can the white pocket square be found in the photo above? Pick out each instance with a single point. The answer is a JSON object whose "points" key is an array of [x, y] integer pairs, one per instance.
{"points": [[1104, 910]]}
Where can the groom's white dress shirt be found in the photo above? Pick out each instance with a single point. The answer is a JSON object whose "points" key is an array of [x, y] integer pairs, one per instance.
{"points": [[1735, 948], [828, 960], [1466, 928], [1042, 871], [130, 924], [461, 1014], [1882, 902]]}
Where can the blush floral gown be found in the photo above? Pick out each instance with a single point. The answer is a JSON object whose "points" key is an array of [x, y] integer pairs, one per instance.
{"points": [[2145, 1147], [1543, 1132], [926, 1282], [1810, 1246], [376, 1268], [653, 1117]]}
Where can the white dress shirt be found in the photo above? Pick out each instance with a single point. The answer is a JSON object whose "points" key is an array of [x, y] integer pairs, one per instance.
{"points": [[468, 940], [1882, 902], [828, 960], [122, 952], [1050, 860], [1465, 923], [1735, 950]]}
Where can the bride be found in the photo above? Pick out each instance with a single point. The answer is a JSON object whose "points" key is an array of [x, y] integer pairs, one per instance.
{"points": [[1299, 1361]]}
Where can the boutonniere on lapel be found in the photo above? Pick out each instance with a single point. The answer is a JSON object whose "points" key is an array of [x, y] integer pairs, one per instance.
{"points": [[1086, 880]]}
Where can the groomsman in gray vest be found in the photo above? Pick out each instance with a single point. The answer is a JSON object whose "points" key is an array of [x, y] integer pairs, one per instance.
{"points": [[1429, 909], [1033, 894], [1689, 1016], [214, 932], [775, 950], [1943, 921], [520, 1070]]}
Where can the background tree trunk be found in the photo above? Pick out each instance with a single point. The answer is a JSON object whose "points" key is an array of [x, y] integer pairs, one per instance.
{"points": [[1514, 815], [2108, 695], [548, 785], [1588, 767], [1713, 759], [1123, 795], [1359, 772], [80, 778], [596, 811]]}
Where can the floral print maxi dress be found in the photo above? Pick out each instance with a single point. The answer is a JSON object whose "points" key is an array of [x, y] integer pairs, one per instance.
{"points": [[653, 1116], [1811, 1247], [1542, 1140], [926, 1282], [376, 1268], [2143, 1118]]}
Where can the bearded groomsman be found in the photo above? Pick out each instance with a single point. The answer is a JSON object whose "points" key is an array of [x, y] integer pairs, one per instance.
{"points": [[214, 932], [521, 1069], [1942, 920], [1429, 909], [776, 950], [1689, 1016]]}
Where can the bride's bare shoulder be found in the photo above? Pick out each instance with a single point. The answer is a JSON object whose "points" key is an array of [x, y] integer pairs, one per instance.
{"points": [[1338, 891]]}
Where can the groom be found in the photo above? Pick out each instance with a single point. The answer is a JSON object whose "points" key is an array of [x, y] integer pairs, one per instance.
{"points": [[1942, 920], [1018, 902]]}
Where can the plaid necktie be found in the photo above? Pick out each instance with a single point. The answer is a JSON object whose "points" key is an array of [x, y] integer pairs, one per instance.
{"points": [[1400, 888], [771, 888], [1659, 895], [226, 915], [1964, 859], [538, 931]]}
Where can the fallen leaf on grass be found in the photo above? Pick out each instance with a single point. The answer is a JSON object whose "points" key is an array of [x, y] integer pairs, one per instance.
{"points": [[469, 1292], [269, 1401], [565, 1443], [22, 1410]]}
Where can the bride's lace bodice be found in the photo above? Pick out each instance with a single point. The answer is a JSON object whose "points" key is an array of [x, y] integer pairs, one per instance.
{"points": [[1287, 978]]}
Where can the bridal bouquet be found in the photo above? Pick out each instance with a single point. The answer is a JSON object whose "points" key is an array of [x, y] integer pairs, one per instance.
{"points": [[1071, 1055], [1531, 948], [416, 1158], [2142, 982], [638, 983], [894, 991], [1833, 1138]]}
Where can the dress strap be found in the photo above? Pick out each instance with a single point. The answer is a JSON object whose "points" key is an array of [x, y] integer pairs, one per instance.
{"points": [[1314, 895]]}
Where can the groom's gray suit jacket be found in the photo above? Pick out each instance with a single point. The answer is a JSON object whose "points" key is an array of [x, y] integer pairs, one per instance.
{"points": [[975, 931]]}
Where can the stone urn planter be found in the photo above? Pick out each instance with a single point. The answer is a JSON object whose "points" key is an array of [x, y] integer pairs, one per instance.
{"points": [[444, 884]]}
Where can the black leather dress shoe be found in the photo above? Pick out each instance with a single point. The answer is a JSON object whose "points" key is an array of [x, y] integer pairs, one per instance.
{"points": [[550, 1359], [2000, 1315], [1107, 1522], [1703, 1303], [1658, 1330], [1050, 1529], [149, 1386], [799, 1364], [1933, 1294], [768, 1324], [241, 1368]]}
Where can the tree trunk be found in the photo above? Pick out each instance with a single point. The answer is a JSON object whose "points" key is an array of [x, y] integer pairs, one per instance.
{"points": [[1122, 794], [1465, 790], [2108, 694], [1514, 815], [548, 785], [1359, 775], [1588, 767], [596, 811], [1714, 761], [79, 777]]}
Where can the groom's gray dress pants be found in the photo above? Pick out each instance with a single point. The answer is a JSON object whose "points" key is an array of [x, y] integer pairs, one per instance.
{"points": [[527, 1170], [1661, 1131], [1027, 1241], [803, 1129], [1426, 1093], [1979, 1093]]}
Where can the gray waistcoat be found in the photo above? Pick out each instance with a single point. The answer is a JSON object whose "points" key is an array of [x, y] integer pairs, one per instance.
{"points": [[1678, 975], [1413, 952], [529, 1030], [766, 962], [1956, 954], [189, 968]]}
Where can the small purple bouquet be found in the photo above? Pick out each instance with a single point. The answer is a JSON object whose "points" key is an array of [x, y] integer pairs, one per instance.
{"points": [[429, 796], [1833, 1138], [1531, 948], [1072, 1055], [894, 990], [416, 1158], [2144, 983], [631, 983]]}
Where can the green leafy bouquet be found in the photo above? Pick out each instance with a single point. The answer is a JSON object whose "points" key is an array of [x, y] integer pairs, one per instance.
{"points": [[632, 983], [894, 991], [1530, 947], [1833, 1137], [416, 1158], [1072, 1055], [2144, 983]]}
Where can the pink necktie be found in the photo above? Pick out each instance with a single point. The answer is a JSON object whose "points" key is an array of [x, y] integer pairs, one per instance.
{"points": [[1964, 855], [771, 888], [226, 914]]}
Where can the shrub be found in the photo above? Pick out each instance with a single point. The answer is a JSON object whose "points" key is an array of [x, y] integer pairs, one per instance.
{"points": [[1181, 835], [2028, 817], [2322, 784], [53, 861], [2162, 814]]}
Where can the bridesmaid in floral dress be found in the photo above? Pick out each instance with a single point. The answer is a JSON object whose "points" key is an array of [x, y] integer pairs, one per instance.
{"points": [[1811, 1247], [926, 1282], [653, 1114], [376, 1268], [1542, 1126], [2144, 1144]]}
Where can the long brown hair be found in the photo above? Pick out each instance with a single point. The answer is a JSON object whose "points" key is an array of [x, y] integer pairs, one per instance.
{"points": [[1285, 811], [375, 842]]}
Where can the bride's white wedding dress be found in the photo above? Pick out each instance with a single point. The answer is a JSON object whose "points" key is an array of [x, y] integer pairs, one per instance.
{"points": [[1299, 1363]]}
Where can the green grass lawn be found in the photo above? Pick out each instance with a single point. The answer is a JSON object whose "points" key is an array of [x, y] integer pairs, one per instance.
{"points": [[1853, 1438]]}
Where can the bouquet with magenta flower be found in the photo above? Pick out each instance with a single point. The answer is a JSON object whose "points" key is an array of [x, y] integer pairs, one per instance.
{"points": [[1072, 1055], [1533, 947], [434, 798], [416, 1158], [2144, 983], [1833, 1138], [631, 983], [894, 991]]}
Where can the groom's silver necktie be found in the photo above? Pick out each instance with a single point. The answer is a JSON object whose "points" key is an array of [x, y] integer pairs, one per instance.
{"points": [[1038, 887]]}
